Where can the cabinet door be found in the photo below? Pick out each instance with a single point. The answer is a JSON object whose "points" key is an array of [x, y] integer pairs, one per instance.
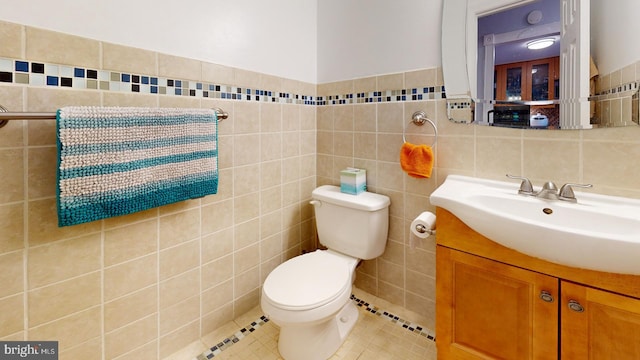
{"points": [[608, 327], [510, 82], [489, 310], [535, 80], [543, 79], [541, 86], [514, 81]]}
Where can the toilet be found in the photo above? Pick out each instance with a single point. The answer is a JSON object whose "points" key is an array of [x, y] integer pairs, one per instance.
{"points": [[308, 296]]}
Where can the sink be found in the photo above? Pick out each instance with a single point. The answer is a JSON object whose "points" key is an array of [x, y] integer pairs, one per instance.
{"points": [[599, 232]]}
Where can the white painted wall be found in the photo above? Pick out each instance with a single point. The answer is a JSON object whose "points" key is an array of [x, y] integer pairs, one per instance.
{"points": [[276, 37], [614, 33], [316, 41], [359, 38]]}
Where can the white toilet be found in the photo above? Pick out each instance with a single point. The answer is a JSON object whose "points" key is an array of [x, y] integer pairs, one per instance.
{"points": [[309, 296]]}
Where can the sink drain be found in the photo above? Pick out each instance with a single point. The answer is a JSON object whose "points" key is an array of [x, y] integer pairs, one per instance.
{"points": [[547, 211]]}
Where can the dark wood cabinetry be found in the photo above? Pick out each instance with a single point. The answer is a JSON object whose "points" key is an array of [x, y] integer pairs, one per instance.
{"points": [[536, 80]]}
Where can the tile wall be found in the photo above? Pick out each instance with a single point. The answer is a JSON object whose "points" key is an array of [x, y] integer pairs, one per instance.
{"points": [[147, 284], [368, 134], [616, 100]]}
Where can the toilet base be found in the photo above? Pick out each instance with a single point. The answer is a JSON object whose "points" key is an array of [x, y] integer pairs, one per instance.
{"points": [[318, 341]]}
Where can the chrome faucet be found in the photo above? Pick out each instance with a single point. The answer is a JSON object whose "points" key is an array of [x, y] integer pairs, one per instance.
{"points": [[549, 190]]}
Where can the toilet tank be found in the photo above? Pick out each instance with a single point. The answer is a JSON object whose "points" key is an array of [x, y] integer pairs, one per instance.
{"points": [[355, 225]]}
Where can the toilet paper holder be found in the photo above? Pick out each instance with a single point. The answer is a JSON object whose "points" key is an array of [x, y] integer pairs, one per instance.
{"points": [[423, 229]]}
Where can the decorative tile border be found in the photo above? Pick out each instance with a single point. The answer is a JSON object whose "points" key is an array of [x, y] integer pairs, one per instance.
{"points": [[233, 339], [35, 73], [618, 91], [413, 94], [459, 105], [415, 328], [63, 76], [242, 333]]}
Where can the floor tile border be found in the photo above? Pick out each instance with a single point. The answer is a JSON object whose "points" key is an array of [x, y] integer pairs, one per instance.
{"points": [[255, 325], [233, 339], [405, 324]]}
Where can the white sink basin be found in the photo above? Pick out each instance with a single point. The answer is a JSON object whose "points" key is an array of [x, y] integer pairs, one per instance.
{"points": [[598, 232]]}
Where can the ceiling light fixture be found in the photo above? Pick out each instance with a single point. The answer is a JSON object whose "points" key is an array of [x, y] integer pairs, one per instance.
{"points": [[540, 43]]}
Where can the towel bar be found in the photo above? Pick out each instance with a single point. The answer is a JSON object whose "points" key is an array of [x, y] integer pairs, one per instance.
{"points": [[5, 115], [419, 118]]}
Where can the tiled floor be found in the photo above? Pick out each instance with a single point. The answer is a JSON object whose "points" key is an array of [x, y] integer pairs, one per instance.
{"points": [[377, 335]]}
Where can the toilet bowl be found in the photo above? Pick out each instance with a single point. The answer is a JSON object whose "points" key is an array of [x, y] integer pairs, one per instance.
{"points": [[309, 295], [309, 298]]}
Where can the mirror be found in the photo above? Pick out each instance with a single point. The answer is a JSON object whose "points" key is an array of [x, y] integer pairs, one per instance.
{"points": [[488, 85]]}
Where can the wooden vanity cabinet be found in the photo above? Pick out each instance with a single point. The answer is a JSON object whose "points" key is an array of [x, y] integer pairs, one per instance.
{"points": [[607, 328], [489, 310], [495, 303]]}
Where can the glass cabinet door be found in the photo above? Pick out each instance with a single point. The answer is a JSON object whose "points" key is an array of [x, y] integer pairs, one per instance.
{"points": [[514, 83], [540, 82], [534, 80]]}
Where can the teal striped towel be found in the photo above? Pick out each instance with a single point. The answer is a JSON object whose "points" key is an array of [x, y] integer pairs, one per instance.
{"points": [[116, 161]]}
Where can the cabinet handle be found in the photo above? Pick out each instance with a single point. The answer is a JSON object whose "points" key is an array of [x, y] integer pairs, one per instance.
{"points": [[575, 306], [546, 296]]}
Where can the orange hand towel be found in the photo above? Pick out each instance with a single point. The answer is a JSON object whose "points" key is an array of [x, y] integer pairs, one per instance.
{"points": [[416, 160]]}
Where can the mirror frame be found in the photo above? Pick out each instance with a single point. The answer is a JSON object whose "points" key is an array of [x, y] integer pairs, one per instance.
{"points": [[459, 56]]}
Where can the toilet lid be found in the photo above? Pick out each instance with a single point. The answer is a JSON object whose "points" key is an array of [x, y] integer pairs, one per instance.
{"points": [[307, 281]]}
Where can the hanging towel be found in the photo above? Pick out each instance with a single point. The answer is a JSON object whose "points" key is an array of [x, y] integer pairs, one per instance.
{"points": [[416, 160], [116, 161]]}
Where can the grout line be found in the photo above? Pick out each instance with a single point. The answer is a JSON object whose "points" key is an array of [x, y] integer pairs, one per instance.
{"points": [[25, 211], [103, 340], [158, 282], [200, 266]]}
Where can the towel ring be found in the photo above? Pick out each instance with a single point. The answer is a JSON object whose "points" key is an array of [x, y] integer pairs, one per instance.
{"points": [[419, 118]]}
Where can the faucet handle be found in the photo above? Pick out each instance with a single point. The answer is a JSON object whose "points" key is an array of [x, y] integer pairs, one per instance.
{"points": [[566, 191], [525, 187]]}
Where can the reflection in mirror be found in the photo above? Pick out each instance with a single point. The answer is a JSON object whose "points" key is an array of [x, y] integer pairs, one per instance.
{"points": [[461, 110], [615, 25], [517, 87], [519, 66]]}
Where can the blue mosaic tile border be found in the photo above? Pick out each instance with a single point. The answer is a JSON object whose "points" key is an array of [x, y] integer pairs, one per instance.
{"points": [[415, 328], [413, 94], [34, 73], [242, 333], [632, 86], [458, 105], [233, 339]]}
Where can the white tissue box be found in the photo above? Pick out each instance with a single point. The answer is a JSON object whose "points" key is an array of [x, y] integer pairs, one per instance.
{"points": [[353, 181]]}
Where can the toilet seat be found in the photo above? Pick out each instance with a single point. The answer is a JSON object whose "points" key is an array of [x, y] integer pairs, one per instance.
{"points": [[308, 281]]}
